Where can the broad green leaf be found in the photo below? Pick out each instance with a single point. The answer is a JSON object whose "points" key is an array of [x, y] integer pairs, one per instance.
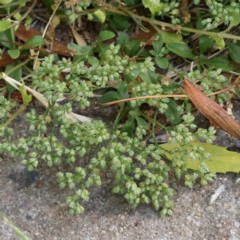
{"points": [[109, 97], [131, 3], [101, 15], [129, 78], [4, 24], [234, 51], [157, 44], [145, 77], [119, 22], [141, 122], [187, 25], [152, 76], [172, 113], [129, 126], [34, 41], [221, 160], [161, 62], [171, 37], [205, 43], [219, 62], [73, 47], [122, 90], [134, 114], [7, 39], [132, 48], [237, 91], [5, 1], [48, 4], [14, 54], [181, 49], [80, 51], [123, 39], [26, 98], [154, 6], [93, 61], [16, 74], [105, 35]]}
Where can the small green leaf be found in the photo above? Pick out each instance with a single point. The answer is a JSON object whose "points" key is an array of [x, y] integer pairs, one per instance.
{"points": [[171, 37], [219, 41], [93, 61], [26, 98], [80, 51], [48, 4], [132, 48], [134, 114], [16, 74], [14, 54], [152, 76], [129, 126], [181, 49], [172, 113], [219, 62], [109, 97], [205, 43], [221, 160], [123, 39], [73, 47], [7, 39], [157, 44], [122, 90], [237, 91], [161, 62], [154, 6], [105, 35], [4, 24], [101, 15], [5, 1], [119, 22], [141, 122], [234, 51], [34, 41]]}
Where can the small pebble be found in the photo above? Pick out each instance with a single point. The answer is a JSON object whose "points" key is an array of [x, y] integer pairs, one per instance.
{"points": [[236, 224]]}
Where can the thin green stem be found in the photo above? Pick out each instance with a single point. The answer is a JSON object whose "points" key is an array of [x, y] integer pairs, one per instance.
{"points": [[118, 116], [153, 121]]}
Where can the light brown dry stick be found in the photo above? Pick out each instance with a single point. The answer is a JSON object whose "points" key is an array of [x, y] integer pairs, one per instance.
{"points": [[211, 110]]}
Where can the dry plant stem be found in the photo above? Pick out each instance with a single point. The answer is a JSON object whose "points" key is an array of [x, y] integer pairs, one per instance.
{"points": [[177, 27], [44, 33], [211, 110], [70, 115], [143, 97], [163, 96]]}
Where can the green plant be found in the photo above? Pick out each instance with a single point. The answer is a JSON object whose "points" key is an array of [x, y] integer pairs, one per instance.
{"points": [[124, 68]]}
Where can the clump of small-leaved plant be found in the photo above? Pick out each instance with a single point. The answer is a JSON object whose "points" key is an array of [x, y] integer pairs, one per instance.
{"points": [[140, 170]]}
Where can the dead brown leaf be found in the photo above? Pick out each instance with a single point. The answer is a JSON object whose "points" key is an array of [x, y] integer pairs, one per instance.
{"points": [[79, 39], [211, 110], [23, 34]]}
